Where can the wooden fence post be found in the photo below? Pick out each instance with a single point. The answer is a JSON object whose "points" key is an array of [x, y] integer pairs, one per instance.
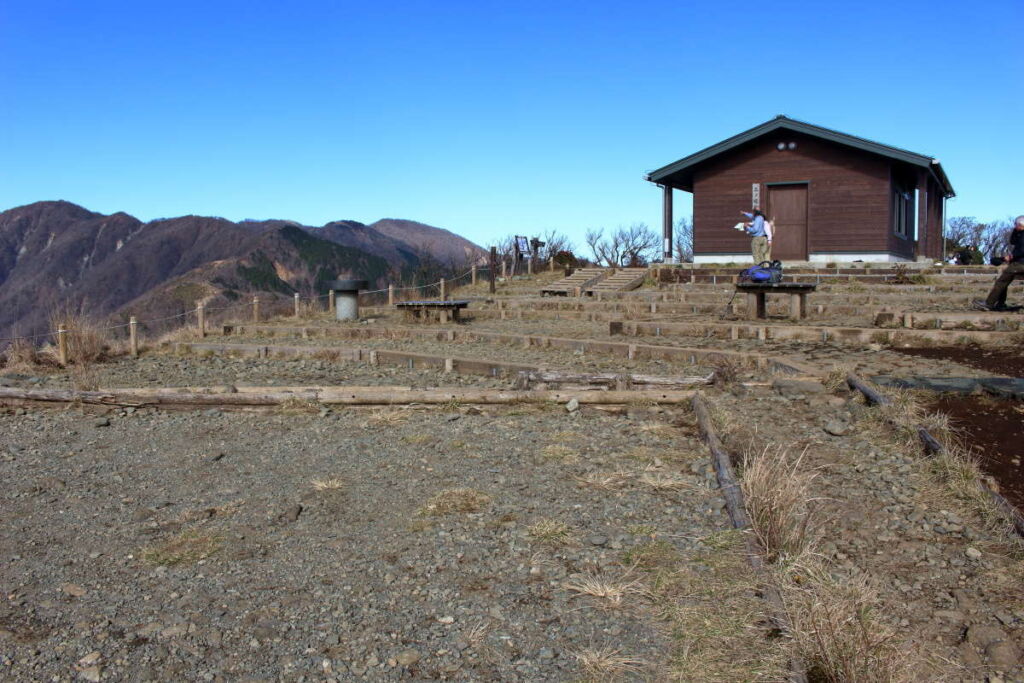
{"points": [[504, 268], [133, 336], [391, 295], [255, 309], [62, 345], [529, 266], [472, 272], [444, 295], [552, 264], [493, 265], [201, 314], [330, 301], [296, 304]]}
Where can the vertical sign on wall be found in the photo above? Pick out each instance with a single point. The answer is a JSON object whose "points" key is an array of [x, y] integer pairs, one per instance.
{"points": [[755, 195]]}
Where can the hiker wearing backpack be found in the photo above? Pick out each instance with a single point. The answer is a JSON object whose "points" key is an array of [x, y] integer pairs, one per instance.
{"points": [[760, 232]]}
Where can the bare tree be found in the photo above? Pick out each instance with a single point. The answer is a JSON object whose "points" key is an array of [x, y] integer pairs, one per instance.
{"points": [[634, 245], [682, 235], [960, 231], [554, 242], [995, 238]]}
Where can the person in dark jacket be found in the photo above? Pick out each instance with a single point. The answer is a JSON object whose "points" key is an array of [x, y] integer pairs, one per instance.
{"points": [[1014, 270]]}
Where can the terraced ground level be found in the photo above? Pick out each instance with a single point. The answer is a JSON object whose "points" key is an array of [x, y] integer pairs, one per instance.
{"points": [[472, 542]]}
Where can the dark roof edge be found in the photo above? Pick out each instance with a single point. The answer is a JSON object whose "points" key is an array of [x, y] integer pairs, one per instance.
{"points": [[810, 129]]}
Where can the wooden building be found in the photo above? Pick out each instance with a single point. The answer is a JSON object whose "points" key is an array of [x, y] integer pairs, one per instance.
{"points": [[832, 197]]}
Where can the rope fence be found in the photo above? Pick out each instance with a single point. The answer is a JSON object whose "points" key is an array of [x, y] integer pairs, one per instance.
{"points": [[261, 309]]}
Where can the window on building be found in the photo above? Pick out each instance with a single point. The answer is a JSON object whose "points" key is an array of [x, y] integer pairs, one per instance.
{"points": [[903, 212]]}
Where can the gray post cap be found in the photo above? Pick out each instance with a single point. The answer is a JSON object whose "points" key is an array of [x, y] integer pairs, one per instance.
{"points": [[347, 285]]}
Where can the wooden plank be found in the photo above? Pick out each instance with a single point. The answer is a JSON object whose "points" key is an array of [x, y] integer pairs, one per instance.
{"points": [[140, 397]]}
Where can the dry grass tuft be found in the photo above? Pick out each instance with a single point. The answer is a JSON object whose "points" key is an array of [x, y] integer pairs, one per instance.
{"points": [[455, 500], [726, 369], [88, 342], [665, 483], [560, 453], [605, 481], [297, 406], [603, 664], [659, 430], [21, 356], [551, 531], [778, 500], [611, 592], [332, 484], [387, 418], [836, 631], [185, 548]]}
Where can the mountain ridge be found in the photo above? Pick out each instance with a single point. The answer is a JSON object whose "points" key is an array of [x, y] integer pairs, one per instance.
{"points": [[57, 255]]}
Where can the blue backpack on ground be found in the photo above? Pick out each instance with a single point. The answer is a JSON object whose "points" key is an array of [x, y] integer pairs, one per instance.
{"points": [[766, 272]]}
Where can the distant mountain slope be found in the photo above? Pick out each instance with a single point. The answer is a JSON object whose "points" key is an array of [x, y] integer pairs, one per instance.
{"points": [[446, 246], [57, 254]]}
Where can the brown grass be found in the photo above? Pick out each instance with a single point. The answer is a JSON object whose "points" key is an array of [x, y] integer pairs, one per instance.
{"points": [[88, 342], [22, 356], [185, 548], [606, 664], [605, 481], [610, 592], [551, 532], [778, 499], [836, 631], [455, 500], [330, 484]]}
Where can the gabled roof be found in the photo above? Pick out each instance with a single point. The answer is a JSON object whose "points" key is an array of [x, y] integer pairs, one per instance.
{"points": [[678, 171]]}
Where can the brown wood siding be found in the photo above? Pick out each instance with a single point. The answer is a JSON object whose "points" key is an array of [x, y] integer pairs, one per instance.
{"points": [[848, 194], [935, 220]]}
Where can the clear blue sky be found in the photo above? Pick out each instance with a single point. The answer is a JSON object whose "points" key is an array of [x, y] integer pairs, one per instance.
{"points": [[482, 117]]}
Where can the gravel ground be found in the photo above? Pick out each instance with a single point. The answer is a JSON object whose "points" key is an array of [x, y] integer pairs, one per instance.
{"points": [[299, 547], [155, 370]]}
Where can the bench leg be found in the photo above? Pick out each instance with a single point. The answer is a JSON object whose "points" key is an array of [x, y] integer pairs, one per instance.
{"points": [[752, 304], [794, 306], [803, 305], [442, 316]]}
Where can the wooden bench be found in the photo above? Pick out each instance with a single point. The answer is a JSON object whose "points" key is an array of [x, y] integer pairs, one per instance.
{"points": [[447, 311], [756, 291]]}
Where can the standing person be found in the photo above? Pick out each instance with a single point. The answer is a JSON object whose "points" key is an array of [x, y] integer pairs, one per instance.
{"points": [[1014, 269], [761, 236]]}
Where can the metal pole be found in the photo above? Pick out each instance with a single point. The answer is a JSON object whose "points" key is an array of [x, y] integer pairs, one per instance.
{"points": [[255, 309], [296, 304], [201, 314], [391, 295]]}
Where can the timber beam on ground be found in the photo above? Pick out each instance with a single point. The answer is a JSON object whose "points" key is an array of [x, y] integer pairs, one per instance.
{"points": [[681, 354], [809, 333], [269, 397], [953, 320]]}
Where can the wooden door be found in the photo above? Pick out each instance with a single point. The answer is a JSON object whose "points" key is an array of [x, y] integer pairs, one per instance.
{"points": [[787, 209]]}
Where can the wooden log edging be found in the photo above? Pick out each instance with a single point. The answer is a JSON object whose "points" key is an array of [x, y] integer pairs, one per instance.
{"points": [[933, 446], [609, 380], [263, 397], [737, 510], [610, 348]]}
